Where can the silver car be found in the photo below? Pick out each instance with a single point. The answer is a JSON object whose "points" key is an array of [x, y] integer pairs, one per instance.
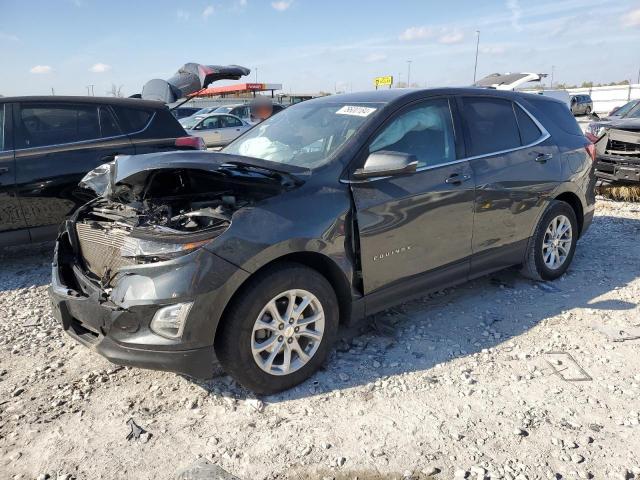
{"points": [[216, 129]]}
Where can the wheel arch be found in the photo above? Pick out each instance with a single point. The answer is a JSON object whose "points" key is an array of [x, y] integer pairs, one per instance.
{"points": [[323, 264], [576, 204]]}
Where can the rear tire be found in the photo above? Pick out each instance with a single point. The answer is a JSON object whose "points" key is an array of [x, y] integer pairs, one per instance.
{"points": [[269, 340], [553, 244]]}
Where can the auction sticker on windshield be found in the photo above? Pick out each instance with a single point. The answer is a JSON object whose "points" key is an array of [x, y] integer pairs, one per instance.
{"points": [[355, 110]]}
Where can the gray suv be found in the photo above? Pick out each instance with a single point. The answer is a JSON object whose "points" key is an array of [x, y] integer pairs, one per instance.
{"points": [[326, 213], [581, 105]]}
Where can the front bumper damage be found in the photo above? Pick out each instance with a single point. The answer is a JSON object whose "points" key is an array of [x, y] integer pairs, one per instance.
{"points": [[618, 156], [116, 322]]}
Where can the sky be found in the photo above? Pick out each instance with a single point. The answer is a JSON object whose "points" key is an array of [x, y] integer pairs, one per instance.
{"points": [[312, 45]]}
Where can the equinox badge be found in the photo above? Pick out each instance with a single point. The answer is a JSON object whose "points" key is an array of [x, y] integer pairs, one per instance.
{"points": [[391, 253]]}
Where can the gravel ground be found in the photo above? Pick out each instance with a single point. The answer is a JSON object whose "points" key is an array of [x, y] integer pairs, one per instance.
{"points": [[498, 378]]}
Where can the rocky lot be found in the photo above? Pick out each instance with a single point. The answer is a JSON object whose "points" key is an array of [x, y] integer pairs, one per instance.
{"points": [[497, 378]]}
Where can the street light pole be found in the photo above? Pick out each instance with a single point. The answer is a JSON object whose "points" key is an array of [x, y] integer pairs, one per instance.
{"points": [[256, 74], [409, 73], [553, 67], [475, 67]]}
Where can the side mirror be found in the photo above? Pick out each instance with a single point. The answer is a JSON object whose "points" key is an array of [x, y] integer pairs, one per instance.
{"points": [[384, 164]]}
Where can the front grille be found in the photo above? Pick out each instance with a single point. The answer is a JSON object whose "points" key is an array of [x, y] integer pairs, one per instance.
{"points": [[102, 247], [617, 146]]}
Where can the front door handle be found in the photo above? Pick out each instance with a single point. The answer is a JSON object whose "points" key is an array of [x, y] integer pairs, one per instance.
{"points": [[543, 157], [457, 179], [4, 170]]}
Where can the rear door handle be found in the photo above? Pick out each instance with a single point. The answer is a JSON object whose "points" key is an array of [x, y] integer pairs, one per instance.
{"points": [[543, 157], [457, 179], [4, 170]]}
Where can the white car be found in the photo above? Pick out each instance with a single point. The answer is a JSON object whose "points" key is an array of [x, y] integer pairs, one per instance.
{"points": [[216, 129]]}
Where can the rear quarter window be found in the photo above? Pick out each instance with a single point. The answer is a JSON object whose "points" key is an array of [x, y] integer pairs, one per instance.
{"points": [[561, 116], [134, 119]]}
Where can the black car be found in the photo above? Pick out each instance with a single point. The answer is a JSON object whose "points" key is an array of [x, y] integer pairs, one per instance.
{"points": [[328, 212], [47, 144]]}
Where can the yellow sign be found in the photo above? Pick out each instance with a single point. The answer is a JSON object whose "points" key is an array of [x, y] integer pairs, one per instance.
{"points": [[383, 81]]}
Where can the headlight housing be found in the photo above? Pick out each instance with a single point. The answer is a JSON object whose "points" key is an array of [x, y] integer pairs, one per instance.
{"points": [[169, 321], [139, 247]]}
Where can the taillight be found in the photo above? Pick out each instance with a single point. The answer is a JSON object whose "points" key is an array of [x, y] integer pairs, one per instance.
{"points": [[591, 137], [591, 150], [191, 143]]}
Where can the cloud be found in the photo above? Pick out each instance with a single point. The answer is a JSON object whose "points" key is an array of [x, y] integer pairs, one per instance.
{"points": [[208, 11], [493, 50], [375, 57], [516, 14], [632, 18], [100, 68], [281, 5], [8, 37], [242, 3], [183, 15], [451, 37], [41, 69], [416, 33]]}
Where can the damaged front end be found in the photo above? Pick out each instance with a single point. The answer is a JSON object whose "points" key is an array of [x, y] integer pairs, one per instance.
{"points": [[130, 277], [153, 213], [618, 153]]}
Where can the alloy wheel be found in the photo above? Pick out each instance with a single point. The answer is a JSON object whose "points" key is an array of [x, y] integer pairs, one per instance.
{"points": [[557, 241], [287, 332]]}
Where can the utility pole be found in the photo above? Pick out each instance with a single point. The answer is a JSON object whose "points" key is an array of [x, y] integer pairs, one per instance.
{"points": [[553, 67], [87, 90], [475, 67], [90, 87], [256, 74], [52, 91], [409, 73]]}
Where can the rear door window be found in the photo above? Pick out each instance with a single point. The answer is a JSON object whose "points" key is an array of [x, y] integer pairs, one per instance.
{"points": [[529, 131], [491, 125], [108, 125], [55, 124]]}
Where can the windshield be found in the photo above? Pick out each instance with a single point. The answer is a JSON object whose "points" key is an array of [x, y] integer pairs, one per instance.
{"points": [[633, 112], [189, 122], [626, 108], [204, 111], [304, 135]]}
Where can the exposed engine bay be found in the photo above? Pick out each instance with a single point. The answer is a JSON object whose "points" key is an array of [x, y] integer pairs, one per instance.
{"points": [[155, 214]]}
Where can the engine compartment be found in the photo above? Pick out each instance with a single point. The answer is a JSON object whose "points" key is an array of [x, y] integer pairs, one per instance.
{"points": [[177, 202]]}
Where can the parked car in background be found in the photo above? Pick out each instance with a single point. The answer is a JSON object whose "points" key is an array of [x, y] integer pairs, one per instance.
{"points": [[243, 111], [581, 104], [623, 110], [216, 129], [618, 150], [325, 213], [183, 112], [629, 111], [47, 144]]}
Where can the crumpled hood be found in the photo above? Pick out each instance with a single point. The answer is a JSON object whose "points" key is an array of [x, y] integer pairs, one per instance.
{"points": [[133, 170], [631, 124]]}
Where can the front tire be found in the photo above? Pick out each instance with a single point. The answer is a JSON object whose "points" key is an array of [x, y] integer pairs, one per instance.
{"points": [[553, 244], [278, 331]]}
